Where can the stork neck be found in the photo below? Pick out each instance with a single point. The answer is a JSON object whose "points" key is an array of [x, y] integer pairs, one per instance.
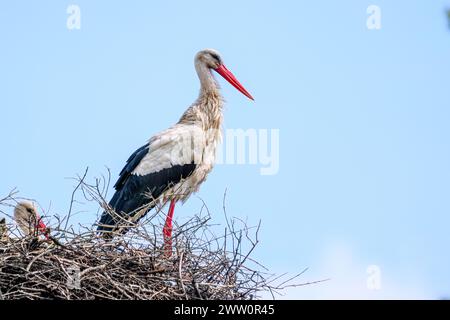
{"points": [[207, 109], [208, 84]]}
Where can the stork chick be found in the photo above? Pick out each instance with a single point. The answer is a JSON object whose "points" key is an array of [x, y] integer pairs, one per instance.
{"points": [[28, 220], [173, 163]]}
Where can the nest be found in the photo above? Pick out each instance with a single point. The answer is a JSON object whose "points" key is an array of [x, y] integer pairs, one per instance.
{"points": [[88, 268], [78, 264]]}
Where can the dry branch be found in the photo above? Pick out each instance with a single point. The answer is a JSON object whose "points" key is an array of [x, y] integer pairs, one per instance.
{"points": [[81, 265]]}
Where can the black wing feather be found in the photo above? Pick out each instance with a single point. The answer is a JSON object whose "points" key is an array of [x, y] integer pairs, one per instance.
{"points": [[132, 163], [136, 191]]}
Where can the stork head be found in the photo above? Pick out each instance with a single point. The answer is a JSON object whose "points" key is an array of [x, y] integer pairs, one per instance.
{"points": [[210, 57], [28, 219], [212, 60]]}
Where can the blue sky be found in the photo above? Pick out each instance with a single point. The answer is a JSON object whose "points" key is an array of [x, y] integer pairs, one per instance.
{"points": [[364, 176]]}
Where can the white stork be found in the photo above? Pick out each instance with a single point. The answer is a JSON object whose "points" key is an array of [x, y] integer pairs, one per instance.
{"points": [[173, 163], [28, 220]]}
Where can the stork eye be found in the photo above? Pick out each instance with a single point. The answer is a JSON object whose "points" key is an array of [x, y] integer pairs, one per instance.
{"points": [[215, 57], [30, 210]]}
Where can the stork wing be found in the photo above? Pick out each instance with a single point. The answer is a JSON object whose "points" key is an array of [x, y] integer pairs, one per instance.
{"points": [[132, 162], [163, 162]]}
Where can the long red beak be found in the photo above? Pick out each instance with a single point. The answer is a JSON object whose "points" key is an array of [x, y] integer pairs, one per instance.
{"points": [[227, 75]]}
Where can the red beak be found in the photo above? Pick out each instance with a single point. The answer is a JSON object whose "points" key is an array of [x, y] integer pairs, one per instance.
{"points": [[227, 75], [42, 228]]}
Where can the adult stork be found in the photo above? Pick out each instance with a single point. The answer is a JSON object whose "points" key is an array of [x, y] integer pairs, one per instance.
{"points": [[173, 163], [28, 220]]}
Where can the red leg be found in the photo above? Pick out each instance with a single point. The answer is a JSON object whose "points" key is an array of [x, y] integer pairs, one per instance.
{"points": [[167, 230]]}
